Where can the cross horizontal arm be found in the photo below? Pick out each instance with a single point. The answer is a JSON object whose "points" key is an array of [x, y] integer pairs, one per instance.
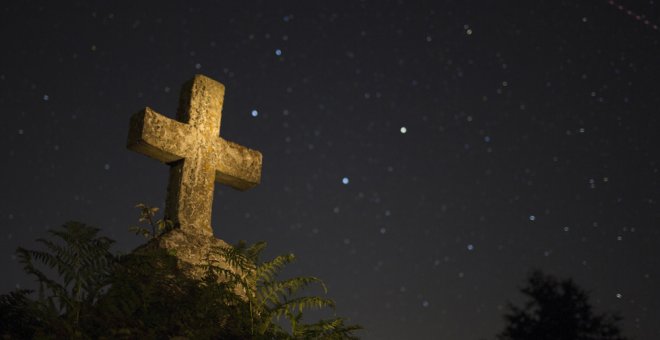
{"points": [[159, 137], [236, 165]]}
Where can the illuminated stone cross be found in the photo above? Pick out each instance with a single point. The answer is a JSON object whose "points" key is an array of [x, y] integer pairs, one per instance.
{"points": [[198, 157]]}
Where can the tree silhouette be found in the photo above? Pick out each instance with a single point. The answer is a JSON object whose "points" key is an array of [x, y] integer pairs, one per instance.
{"points": [[557, 310]]}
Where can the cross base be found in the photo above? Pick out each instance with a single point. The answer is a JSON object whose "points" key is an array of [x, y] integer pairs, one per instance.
{"points": [[191, 251]]}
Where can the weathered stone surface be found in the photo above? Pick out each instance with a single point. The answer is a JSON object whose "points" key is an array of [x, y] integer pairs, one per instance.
{"points": [[191, 250], [197, 156]]}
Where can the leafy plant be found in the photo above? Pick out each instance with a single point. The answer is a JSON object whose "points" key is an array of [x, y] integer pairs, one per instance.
{"points": [[150, 227], [20, 316], [82, 263], [270, 299], [96, 294]]}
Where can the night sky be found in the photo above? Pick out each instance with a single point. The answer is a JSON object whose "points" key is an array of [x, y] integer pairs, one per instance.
{"points": [[421, 158]]}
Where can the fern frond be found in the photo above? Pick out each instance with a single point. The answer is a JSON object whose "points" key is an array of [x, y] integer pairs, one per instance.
{"points": [[235, 257], [273, 292], [254, 251], [268, 270], [328, 329], [56, 289], [300, 303]]}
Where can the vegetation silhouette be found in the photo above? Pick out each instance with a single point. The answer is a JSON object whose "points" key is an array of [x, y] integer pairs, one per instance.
{"points": [[97, 294], [557, 309]]}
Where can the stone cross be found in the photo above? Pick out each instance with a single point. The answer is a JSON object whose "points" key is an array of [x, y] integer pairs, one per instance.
{"points": [[198, 157]]}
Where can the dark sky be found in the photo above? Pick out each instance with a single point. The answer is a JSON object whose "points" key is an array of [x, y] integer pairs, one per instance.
{"points": [[421, 158]]}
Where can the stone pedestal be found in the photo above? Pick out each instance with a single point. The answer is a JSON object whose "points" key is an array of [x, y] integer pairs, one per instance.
{"points": [[190, 249]]}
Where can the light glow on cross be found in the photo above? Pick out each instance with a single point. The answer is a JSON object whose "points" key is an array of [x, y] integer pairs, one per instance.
{"points": [[198, 157]]}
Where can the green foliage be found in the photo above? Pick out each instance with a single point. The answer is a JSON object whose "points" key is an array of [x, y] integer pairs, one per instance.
{"points": [[82, 263], [20, 316], [95, 294], [327, 329], [270, 299], [151, 298], [557, 310], [150, 227]]}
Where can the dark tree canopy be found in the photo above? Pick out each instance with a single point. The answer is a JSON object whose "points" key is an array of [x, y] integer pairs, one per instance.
{"points": [[557, 309]]}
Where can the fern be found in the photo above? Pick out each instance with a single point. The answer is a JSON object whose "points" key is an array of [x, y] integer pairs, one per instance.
{"points": [[82, 262], [327, 329], [95, 294], [268, 270], [270, 299], [20, 315]]}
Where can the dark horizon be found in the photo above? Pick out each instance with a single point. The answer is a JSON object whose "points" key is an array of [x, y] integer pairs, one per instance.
{"points": [[420, 159]]}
